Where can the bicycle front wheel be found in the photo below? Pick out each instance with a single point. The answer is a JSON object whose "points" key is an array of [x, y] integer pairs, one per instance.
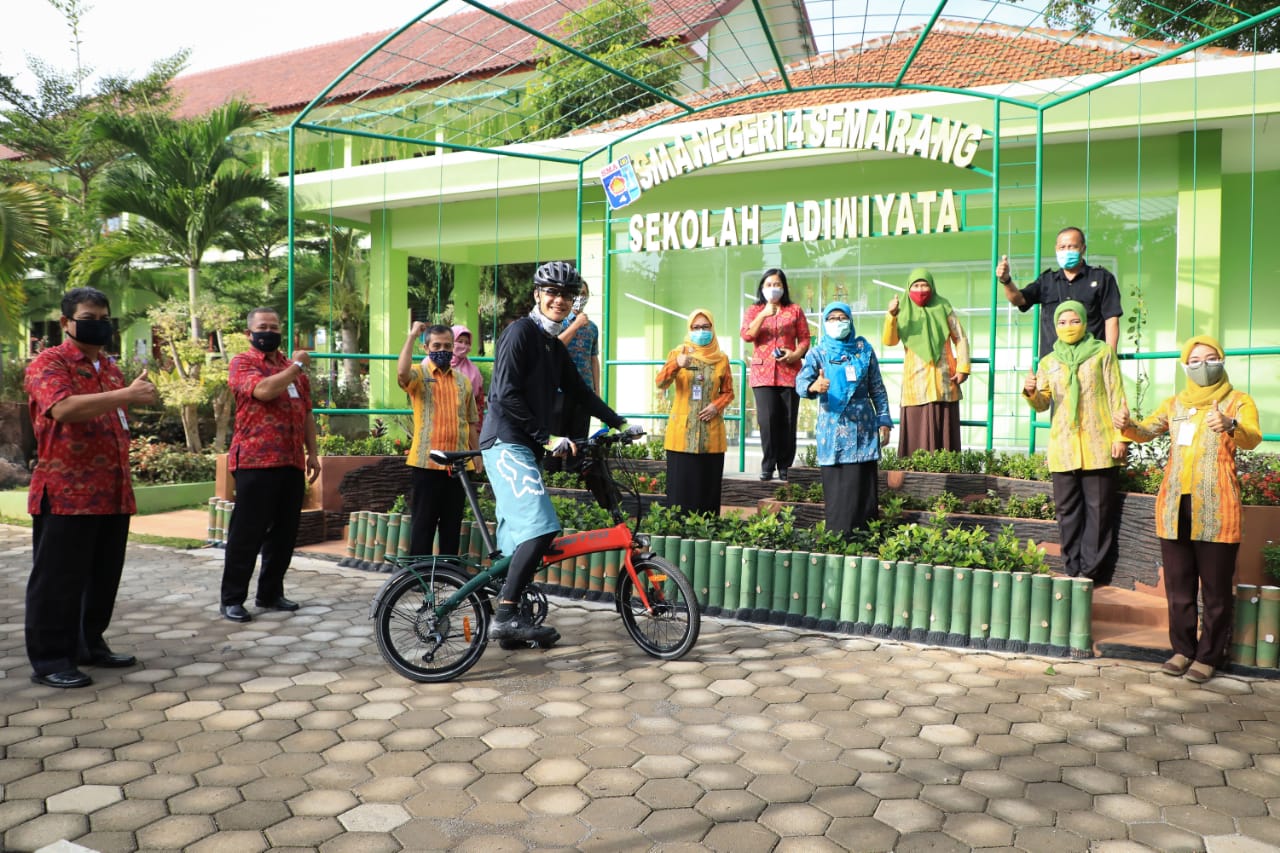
{"points": [[416, 642], [669, 626]]}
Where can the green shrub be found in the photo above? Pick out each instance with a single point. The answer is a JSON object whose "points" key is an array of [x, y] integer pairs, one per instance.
{"points": [[155, 463], [1271, 559]]}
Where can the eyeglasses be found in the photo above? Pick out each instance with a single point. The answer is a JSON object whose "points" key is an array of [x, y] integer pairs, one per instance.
{"points": [[555, 293], [1196, 362], [701, 327]]}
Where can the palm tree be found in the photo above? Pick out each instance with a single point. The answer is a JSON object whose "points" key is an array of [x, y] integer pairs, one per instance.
{"points": [[184, 182], [24, 227]]}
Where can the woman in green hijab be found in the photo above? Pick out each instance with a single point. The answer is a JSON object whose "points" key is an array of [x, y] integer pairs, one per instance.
{"points": [[935, 365], [1080, 378]]}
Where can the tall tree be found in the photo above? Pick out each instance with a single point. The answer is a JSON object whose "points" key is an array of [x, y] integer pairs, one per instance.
{"points": [[184, 183], [1182, 21], [570, 92], [24, 227]]}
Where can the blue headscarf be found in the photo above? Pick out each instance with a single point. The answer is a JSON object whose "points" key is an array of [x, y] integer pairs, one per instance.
{"points": [[838, 354]]}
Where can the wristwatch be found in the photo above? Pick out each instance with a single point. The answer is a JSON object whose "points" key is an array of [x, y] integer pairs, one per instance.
{"points": [[300, 366]]}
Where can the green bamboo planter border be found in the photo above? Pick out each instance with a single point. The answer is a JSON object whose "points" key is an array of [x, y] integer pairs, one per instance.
{"points": [[859, 595]]}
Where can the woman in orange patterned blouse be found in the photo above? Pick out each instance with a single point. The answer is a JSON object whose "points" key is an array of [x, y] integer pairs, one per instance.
{"points": [[780, 332], [1198, 506], [695, 441]]}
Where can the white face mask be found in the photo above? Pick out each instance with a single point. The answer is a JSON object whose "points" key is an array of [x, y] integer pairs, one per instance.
{"points": [[772, 294], [838, 329]]}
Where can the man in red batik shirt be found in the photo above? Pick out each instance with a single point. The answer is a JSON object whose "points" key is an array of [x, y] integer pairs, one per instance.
{"points": [[273, 425], [81, 496]]}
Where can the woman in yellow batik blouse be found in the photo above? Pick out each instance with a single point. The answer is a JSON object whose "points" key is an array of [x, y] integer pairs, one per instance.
{"points": [[1198, 507], [695, 441], [1080, 378]]}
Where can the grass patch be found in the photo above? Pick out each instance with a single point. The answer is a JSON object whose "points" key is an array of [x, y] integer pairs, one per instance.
{"points": [[179, 542], [23, 521]]}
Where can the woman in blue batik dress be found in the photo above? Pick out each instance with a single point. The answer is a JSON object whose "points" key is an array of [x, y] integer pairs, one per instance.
{"points": [[853, 418]]}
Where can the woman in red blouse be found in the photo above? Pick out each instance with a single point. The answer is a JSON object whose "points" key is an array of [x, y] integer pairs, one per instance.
{"points": [[778, 328]]}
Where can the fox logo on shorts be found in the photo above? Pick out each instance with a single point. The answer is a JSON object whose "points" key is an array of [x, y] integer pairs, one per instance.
{"points": [[520, 476]]}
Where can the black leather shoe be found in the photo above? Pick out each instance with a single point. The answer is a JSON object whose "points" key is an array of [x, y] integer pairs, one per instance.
{"points": [[109, 659], [236, 613], [280, 603], [66, 678], [766, 475], [782, 474]]}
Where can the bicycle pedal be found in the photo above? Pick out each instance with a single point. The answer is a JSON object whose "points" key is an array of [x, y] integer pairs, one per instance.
{"points": [[513, 645]]}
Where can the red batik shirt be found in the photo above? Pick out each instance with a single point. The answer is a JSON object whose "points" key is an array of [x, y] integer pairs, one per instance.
{"points": [[83, 468], [785, 330], [268, 434]]}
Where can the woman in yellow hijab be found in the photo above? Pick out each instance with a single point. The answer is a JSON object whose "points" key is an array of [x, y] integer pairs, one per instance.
{"points": [[695, 441], [1198, 506]]}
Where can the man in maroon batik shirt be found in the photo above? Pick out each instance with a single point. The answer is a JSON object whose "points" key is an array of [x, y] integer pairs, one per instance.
{"points": [[81, 496], [273, 425]]}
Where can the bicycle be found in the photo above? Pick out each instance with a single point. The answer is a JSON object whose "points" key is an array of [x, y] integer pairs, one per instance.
{"points": [[432, 616]]}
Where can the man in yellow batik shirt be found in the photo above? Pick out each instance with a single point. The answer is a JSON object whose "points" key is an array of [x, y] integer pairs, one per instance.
{"points": [[445, 417]]}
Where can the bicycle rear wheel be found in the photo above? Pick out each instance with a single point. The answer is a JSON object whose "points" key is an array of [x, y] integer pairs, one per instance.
{"points": [[669, 627], [416, 642]]}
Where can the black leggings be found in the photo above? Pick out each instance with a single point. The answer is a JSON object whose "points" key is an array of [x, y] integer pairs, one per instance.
{"points": [[525, 563]]}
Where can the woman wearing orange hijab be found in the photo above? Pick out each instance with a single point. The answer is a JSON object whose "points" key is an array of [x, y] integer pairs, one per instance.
{"points": [[695, 441], [1198, 506]]}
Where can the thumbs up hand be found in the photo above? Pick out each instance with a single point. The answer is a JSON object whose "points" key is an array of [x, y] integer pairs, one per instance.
{"points": [[142, 390], [1120, 418], [684, 359], [1029, 384], [1216, 420], [1002, 271], [894, 307], [821, 384]]}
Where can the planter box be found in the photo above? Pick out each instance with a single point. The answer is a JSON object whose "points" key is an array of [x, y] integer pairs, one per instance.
{"points": [[1261, 525], [924, 485], [153, 499], [150, 499]]}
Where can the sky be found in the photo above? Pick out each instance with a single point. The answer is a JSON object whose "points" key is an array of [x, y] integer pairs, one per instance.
{"points": [[127, 36]]}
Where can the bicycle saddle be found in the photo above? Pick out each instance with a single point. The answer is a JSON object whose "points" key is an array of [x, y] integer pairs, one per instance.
{"points": [[447, 457]]}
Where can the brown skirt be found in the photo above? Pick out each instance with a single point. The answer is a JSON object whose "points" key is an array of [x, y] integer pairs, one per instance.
{"points": [[933, 426]]}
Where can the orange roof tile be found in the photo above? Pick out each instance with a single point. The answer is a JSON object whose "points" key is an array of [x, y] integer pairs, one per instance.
{"points": [[955, 54], [470, 44]]}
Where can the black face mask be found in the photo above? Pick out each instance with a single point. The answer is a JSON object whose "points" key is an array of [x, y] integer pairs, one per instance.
{"points": [[265, 341], [92, 333], [441, 358]]}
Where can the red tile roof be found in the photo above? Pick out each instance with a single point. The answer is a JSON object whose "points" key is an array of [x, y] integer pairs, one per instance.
{"points": [[955, 54], [471, 44]]}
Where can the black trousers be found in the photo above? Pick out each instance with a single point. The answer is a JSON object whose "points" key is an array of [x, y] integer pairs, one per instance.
{"points": [[778, 413], [852, 495], [268, 506], [75, 573], [436, 504], [1191, 566], [1086, 507]]}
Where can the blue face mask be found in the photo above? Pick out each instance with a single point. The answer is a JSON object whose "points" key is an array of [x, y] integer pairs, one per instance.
{"points": [[700, 337], [1069, 259], [838, 329]]}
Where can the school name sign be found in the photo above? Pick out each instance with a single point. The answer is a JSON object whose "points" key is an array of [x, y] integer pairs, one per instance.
{"points": [[844, 128]]}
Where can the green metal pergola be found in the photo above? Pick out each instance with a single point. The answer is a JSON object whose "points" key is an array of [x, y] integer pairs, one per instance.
{"points": [[467, 81]]}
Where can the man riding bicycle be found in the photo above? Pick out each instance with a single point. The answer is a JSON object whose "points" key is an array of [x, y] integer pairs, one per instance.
{"points": [[530, 365]]}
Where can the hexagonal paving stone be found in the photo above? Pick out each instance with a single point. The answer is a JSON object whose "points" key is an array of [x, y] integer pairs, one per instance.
{"points": [[85, 799], [374, 817]]}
